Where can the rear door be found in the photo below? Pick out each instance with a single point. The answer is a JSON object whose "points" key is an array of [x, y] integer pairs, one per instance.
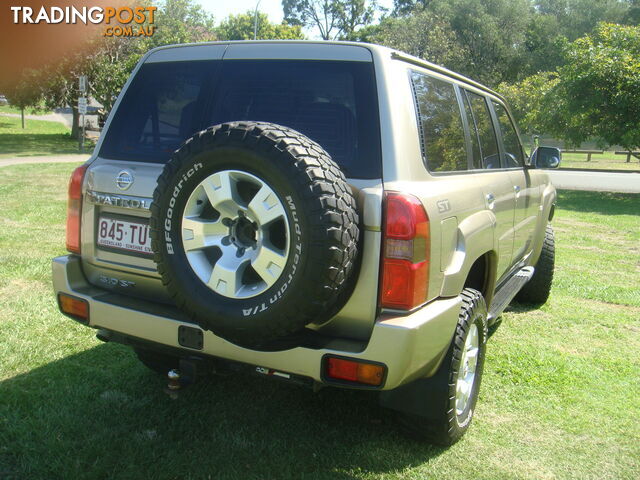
{"points": [[526, 192], [496, 182], [324, 91]]}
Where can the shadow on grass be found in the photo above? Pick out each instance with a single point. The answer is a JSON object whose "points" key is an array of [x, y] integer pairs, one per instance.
{"points": [[599, 202], [100, 414], [24, 145]]}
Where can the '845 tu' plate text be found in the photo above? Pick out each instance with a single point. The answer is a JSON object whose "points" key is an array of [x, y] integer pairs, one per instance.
{"points": [[124, 235]]}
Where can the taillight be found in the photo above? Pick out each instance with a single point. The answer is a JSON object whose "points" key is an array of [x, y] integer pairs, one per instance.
{"points": [[76, 308], [405, 255], [353, 371], [74, 209]]}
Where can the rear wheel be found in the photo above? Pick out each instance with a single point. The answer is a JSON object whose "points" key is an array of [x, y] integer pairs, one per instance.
{"points": [[453, 392]]}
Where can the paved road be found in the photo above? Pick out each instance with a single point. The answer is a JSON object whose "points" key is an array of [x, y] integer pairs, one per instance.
{"points": [[76, 157], [596, 181]]}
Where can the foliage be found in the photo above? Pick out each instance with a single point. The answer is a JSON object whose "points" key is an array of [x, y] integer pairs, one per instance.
{"points": [[333, 18], [576, 18], [110, 67], [480, 39], [241, 27], [181, 21], [422, 34], [491, 34], [597, 95], [529, 101], [26, 92], [593, 95]]}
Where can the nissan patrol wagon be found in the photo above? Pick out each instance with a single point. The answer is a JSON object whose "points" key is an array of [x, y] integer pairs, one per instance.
{"points": [[333, 214]]}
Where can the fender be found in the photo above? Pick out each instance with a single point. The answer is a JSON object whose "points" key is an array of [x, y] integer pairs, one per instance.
{"points": [[476, 237], [547, 202]]}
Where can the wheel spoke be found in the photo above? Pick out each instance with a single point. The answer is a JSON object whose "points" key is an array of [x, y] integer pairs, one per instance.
{"points": [[472, 352], [198, 234], [221, 192], [246, 208], [265, 206], [269, 264], [226, 276]]}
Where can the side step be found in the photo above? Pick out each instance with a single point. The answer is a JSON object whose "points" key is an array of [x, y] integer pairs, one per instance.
{"points": [[505, 294]]}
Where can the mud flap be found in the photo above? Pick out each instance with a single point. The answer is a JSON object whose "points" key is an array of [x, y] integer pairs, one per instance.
{"points": [[424, 397]]}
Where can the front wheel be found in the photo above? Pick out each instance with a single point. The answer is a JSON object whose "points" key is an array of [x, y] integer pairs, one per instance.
{"points": [[453, 391], [536, 291]]}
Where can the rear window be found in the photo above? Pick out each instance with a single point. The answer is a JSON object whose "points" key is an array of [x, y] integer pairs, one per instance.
{"points": [[333, 103]]}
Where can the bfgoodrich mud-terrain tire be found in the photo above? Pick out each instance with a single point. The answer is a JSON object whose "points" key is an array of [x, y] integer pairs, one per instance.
{"points": [[254, 231], [536, 291], [452, 392]]}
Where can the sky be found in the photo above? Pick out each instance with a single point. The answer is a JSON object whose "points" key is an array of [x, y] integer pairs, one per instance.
{"points": [[221, 9]]}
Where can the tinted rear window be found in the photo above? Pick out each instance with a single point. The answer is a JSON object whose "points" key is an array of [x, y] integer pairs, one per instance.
{"points": [[333, 103]]}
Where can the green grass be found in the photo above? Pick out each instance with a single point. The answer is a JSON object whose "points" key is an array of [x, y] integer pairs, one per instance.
{"points": [[40, 137], [607, 161], [27, 111], [560, 395]]}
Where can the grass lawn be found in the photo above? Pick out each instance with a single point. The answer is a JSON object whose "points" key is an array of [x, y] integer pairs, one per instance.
{"points": [[607, 161], [560, 395], [40, 137], [27, 111]]}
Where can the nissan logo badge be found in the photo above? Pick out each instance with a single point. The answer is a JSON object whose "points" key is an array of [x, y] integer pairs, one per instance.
{"points": [[124, 179]]}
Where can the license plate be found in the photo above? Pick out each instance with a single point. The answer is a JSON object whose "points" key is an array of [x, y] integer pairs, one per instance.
{"points": [[124, 235]]}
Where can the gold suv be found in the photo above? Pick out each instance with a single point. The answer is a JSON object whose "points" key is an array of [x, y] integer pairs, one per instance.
{"points": [[333, 214]]}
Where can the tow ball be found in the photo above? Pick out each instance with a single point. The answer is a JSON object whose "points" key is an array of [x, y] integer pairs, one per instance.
{"points": [[180, 378]]}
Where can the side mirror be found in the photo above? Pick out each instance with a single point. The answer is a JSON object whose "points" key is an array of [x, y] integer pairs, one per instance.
{"points": [[545, 157]]}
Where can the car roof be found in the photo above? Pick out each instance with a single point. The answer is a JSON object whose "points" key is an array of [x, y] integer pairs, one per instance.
{"points": [[378, 49]]}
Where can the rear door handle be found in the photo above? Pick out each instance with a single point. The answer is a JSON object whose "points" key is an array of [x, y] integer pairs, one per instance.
{"points": [[517, 188]]}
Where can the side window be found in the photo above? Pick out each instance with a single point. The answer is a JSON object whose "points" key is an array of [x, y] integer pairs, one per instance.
{"points": [[473, 131], [513, 150], [442, 135], [489, 157]]}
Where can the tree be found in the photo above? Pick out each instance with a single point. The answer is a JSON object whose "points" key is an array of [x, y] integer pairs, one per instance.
{"points": [[557, 22], [353, 14], [110, 67], [26, 92], [597, 92], [181, 21], [491, 33], [530, 101], [241, 27], [60, 85], [576, 18], [333, 18], [421, 34]]}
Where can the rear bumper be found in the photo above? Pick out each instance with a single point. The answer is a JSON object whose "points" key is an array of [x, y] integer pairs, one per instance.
{"points": [[411, 346]]}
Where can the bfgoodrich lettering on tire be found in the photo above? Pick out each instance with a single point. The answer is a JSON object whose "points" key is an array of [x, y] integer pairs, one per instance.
{"points": [[254, 231]]}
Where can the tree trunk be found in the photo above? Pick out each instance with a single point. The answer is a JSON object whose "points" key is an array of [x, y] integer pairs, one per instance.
{"points": [[75, 125], [22, 116]]}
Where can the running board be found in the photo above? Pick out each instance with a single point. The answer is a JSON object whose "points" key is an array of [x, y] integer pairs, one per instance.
{"points": [[505, 294]]}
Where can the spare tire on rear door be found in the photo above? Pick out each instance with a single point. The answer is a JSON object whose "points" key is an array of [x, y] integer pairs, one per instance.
{"points": [[254, 230]]}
